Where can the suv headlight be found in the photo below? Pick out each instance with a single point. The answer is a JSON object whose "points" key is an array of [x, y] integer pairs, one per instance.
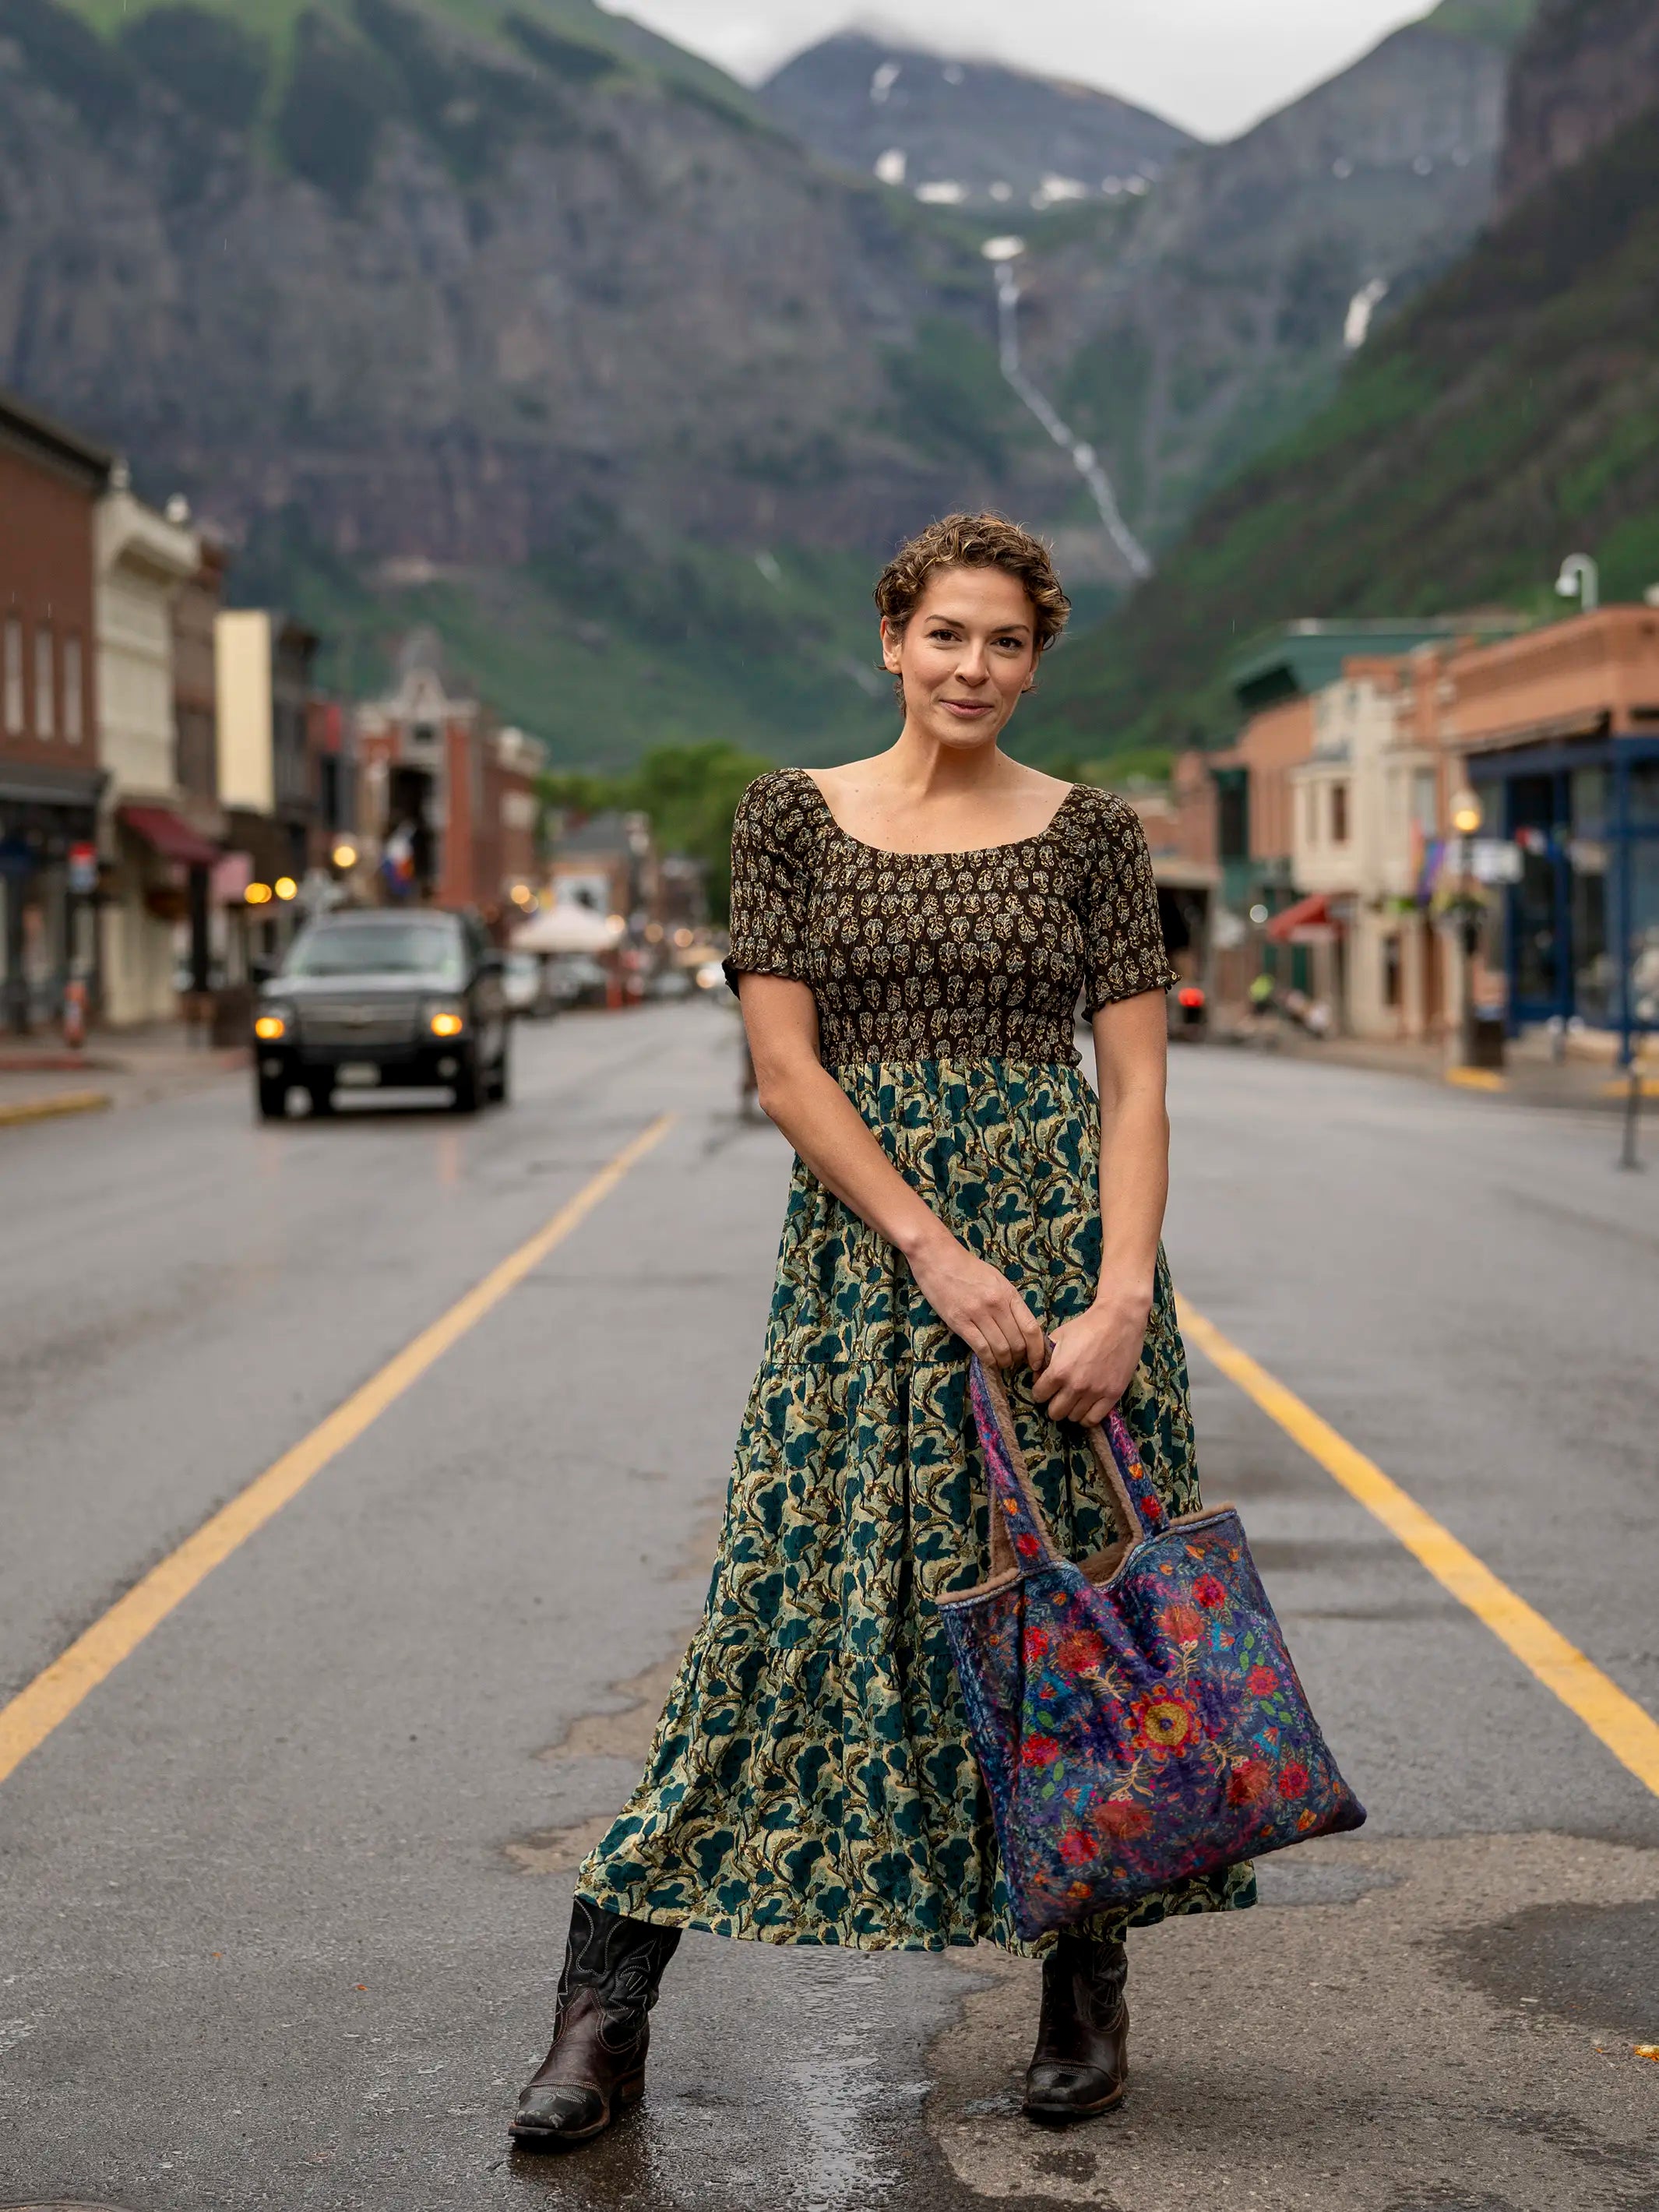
{"points": [[445, 1018], [272, 1022]]}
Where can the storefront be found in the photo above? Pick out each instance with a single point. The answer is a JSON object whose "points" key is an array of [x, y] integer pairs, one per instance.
{"points": [[48, 883], [1577, 936]]}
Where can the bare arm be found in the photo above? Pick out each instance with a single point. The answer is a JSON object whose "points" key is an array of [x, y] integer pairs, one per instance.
{"points": [[799, 1093], [1096, 1355]]}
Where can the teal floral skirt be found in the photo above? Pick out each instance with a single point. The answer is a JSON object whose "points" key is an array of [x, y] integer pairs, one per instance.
{"points": [[811, 1779]]}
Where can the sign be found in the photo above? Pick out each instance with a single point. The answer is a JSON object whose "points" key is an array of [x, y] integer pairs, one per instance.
{"points": [[1494, 860], [82, 871]]}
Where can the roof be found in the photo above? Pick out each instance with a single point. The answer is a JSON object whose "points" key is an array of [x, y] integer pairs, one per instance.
{"points": [[1304, 657], [45, 438]]}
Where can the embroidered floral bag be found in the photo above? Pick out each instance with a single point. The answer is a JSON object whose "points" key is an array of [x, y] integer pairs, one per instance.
{"points": [[1137, 1717]]}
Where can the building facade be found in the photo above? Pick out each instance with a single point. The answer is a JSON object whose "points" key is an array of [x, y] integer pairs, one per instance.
{"points": [[50, 779], [144, 559], [1557, 733]]}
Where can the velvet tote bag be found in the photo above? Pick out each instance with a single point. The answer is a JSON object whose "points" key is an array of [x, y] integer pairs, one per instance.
{"points": [[1136, 1717]]}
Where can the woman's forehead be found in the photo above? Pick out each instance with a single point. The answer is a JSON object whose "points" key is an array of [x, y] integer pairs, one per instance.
{"points": [[976, 595]]}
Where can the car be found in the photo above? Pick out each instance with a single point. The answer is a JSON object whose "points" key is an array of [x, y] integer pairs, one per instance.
{"points": [[526, 984], [574, 979], [374, 998]]}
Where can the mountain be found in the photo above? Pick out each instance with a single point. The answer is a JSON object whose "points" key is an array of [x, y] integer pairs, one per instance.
{"points": [[1182, 333], [1587, 75], [492, 290], [1508, 417], [961, 132]]}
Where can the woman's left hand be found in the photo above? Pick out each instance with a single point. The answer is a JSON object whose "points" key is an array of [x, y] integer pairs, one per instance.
{"points": [[1094, 1357]]}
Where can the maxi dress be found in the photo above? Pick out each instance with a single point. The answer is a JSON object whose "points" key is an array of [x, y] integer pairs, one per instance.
{"points": [[813, 1779]]}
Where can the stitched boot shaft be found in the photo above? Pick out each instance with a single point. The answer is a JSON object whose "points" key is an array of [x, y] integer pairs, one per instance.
{"points": [[1081, 2063], [601, 2029]]}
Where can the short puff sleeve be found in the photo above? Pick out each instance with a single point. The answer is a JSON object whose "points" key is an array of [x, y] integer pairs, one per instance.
{"points": [[771, 880], [1123, 934]]}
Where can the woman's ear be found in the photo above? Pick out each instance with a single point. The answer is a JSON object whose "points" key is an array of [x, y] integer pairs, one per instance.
{"points": [[891, 640]]}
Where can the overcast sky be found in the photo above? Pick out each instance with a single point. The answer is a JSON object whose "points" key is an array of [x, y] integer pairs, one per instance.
{"points": [[1214, 65]]}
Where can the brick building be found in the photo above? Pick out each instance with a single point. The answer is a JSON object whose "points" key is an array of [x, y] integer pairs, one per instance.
{"points": [[50, 481]]}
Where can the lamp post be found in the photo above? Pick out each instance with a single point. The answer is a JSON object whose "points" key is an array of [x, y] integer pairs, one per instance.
{"points": [[1580, 579], [1466, 821]]}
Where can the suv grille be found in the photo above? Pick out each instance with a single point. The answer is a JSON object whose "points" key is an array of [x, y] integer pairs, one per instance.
{"points": [[348, 1022]]}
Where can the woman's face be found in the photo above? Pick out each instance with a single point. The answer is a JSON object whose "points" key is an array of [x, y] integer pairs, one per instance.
{"points": [[965, 655]]}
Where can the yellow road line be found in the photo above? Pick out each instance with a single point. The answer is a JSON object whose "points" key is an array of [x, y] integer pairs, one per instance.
{"points": [[54, 1102], [1477, 1079], [55, 1693], [1628, 1730]]}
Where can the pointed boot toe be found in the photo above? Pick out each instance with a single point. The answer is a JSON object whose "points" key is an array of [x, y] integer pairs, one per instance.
{"points": [[558, 2114]]}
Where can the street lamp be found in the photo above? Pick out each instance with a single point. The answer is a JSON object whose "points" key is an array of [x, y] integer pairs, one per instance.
{"points": [[1580, 579], [344, 854], [1468, 909]]}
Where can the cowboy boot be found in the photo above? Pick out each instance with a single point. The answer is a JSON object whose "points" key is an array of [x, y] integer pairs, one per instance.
{"points": [[601, 2029], [1081, 2063]]}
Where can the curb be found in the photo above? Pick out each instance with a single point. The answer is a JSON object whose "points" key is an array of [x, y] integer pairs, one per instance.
{"points": [[48, 1110]]}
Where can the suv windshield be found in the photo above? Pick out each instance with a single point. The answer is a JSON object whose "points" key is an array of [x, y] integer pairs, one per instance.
{"points": [[426, 946]]}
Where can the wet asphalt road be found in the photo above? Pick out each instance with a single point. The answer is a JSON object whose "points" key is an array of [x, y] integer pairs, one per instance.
{"points": [[281, 1906]]}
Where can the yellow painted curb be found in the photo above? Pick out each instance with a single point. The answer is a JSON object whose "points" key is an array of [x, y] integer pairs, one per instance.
{"points": [[46, 1110], [1620, 1088], [1477, 1079]]}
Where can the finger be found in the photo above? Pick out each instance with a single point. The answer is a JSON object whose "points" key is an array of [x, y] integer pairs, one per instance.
{"points": [[996, 1352], [1031, 1336]]}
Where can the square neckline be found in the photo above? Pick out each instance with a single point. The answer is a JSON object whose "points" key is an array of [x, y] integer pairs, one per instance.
{"points": [[948, 853]]}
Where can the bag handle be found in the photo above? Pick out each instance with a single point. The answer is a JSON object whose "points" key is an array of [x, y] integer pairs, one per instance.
{"points": [[1019, 1534]]}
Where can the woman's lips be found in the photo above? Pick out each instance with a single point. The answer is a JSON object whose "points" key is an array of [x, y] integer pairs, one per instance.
{"points": [[967, 707]]}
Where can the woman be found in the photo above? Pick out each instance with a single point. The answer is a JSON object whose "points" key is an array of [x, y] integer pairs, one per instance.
{"points": [[910, 938]]}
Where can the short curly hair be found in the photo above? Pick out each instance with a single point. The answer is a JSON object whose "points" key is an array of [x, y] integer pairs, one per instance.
{"points": [[975, 541]]}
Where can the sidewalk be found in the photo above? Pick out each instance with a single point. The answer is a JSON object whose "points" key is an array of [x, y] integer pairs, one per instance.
{"points": [[40, 1076], [1529, 1075]]}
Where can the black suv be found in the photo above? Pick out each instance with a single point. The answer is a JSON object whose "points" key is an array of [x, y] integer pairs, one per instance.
{"points": [[367, 998]]}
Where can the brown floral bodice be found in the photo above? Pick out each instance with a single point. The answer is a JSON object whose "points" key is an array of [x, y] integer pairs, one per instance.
{"points": [[937, 955]]}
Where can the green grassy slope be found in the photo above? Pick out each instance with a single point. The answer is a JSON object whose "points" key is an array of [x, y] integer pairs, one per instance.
{"points": [[584, 28], [1511, 417], [612, 656]]}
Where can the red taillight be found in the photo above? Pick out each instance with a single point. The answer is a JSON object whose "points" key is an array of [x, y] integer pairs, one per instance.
{"points": [[1191, 997]]}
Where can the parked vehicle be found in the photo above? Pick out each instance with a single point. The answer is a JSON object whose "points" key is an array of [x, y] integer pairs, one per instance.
{"points": [[524, 983], [366, 1001], [574, 979]]}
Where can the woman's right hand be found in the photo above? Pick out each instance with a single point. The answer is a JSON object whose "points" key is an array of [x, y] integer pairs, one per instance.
{"points": [[978, 1304]]}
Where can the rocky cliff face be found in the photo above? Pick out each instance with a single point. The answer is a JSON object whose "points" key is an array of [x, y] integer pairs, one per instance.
{"points": [[459, 294], [967, 133], [1588, 67], [1184, 336]]}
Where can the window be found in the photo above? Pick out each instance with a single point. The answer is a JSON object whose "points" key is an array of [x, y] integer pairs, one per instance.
{"points": [[1425, 807], [14, 677], [1339, 814], [74, 711], [1310, 808], [46, 685]]}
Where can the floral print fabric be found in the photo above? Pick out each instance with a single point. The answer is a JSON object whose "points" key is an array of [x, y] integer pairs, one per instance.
{"points": [[920, 956], [1139, 1721], [812, 1778]]}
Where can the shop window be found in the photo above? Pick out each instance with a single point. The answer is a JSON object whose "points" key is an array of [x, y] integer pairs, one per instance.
{"points": [[46, 685], [1339, 814], [1425, 804], [1588, 800], [1644, 792], [74, 710], [14, 677], [1391, 992]]}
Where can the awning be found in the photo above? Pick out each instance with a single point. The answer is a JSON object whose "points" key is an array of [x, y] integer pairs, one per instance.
{"points": [[565, 928], [173, 839], [1312, 913]]}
